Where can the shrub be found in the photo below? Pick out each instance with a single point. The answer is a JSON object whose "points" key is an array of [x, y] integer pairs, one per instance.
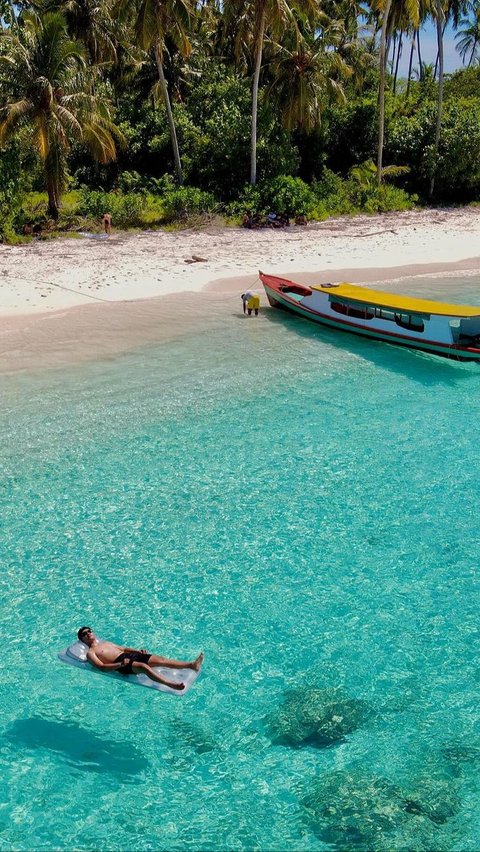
{"points": [[132, 182], [289, 195], [352, 132], [124, 209], [10, 179], [332, 197], [249, 199], [463, 83], [365, 194], [360, 193], [328, 185], [410, 141], [162, 185], [188, 201], [386, 199], [33, 209]]}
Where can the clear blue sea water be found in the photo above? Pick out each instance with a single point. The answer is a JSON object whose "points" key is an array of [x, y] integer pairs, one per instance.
{"points": [[301, 505]]}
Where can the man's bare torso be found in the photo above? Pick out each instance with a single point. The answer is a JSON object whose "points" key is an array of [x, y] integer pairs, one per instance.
{"points": [[107, 652]]}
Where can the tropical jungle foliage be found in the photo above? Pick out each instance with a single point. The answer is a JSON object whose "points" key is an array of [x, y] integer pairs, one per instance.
{"points": [[158, 111]]}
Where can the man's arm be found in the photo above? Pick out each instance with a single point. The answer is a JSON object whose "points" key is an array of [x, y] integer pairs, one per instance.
{"points": [[104, 667]]}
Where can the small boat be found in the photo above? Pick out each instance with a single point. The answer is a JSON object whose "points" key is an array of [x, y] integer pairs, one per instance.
{"points": [[452, 331]]}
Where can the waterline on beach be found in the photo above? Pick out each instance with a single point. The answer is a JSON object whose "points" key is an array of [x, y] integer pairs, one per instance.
{"points": [[99, 332]]}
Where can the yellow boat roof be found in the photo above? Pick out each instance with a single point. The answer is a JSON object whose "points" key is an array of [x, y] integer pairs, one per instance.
{"points": [[407, 304]]}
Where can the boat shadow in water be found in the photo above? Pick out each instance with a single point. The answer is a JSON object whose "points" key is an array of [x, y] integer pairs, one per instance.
{"points": [[422, 367], [78, 746]]}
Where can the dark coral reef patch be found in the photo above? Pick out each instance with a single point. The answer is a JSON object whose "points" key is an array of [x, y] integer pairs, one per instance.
{"points": [[357, 810], [317, 717]]}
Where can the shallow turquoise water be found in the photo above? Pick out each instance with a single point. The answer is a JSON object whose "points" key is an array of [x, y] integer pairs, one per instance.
{"points": [[300, 504]]}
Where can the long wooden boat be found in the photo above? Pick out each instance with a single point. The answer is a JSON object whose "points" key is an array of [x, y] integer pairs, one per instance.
{"points": [[452, 331]]}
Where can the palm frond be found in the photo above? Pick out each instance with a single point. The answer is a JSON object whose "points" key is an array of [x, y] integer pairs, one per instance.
{"points": [[41, 137], [14, 114], [147, 24], [100, 141]]}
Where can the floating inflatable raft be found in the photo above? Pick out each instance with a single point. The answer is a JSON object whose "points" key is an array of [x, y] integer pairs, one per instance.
{"points": [[76, 655]]}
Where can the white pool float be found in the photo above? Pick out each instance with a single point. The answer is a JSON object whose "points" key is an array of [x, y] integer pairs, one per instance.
{"points": [[76, 655]]}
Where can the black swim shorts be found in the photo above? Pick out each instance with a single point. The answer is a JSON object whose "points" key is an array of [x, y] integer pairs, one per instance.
{"points": [[132, 657]]}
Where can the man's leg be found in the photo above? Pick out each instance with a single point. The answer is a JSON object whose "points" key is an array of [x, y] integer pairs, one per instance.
{"points": [[143, 668], [156, 660]]}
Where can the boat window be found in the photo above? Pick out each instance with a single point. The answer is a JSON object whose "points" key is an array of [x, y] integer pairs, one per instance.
{"points": [[350, 311], [383, 313], [359, 312], [411, 322]]}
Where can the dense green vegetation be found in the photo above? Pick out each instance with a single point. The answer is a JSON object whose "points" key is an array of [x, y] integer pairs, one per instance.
{"points": [[163, 111]]}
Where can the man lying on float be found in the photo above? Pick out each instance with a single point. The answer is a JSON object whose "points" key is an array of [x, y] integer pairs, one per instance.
{"points": [[107, 656]]}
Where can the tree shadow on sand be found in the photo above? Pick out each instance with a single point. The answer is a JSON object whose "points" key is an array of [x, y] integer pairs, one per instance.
{"points": [[78, 746]]}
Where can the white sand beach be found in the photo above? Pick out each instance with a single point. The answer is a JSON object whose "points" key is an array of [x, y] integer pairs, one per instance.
{"points": [[70, 300]]}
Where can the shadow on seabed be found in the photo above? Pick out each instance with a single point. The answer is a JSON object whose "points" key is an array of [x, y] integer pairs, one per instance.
{"points": [[421, 367], [78, 745]]}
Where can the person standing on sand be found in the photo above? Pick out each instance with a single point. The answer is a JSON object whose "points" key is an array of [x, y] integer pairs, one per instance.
{"points": [[109, 657], [107, 223]]}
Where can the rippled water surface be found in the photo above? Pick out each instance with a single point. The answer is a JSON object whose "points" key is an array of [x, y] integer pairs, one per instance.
{"points": [[302, 505]]}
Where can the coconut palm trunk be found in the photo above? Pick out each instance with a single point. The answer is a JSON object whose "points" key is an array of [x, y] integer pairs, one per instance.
{"points": [[54, 177], [472, 55], [410, 63], [399, 54], [439, 21], [381, 91], [53, 209], [436, 60], [168, 106], [387, 50], [256, 79], [50, 166], [420, 63]]}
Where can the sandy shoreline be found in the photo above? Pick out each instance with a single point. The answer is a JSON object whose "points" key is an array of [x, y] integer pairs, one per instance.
{"points": [[70, 301]]}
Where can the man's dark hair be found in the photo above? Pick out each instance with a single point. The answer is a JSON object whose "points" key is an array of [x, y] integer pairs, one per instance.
{"points": [[82, 631]]}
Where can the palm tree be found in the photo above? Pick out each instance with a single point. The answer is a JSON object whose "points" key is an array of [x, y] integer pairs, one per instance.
{"points": [[439, 20], [410, 63], [420, 61], [381, 89], [251, 20], [364, 177], [469, 38], [90, 22], [453, 13], [51, 93], [399, 56], [155, 21], [408, 11], [424, 10], [306, 79]]}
